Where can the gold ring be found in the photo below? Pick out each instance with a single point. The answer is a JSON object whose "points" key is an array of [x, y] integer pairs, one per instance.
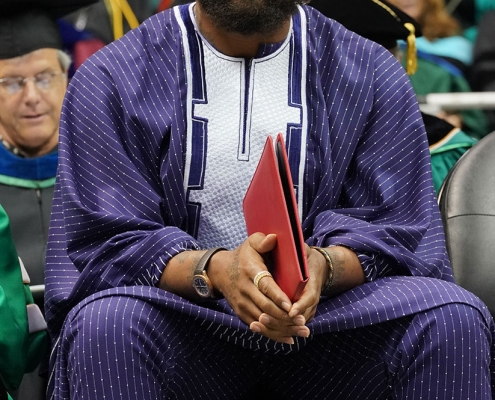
{"points": [[259, 276]]}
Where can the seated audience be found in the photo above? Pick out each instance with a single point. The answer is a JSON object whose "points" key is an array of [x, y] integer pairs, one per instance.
{"points": [[441, 32], [447, 143], [33, 80], [470, 13], [154, 288], [444, 59]]}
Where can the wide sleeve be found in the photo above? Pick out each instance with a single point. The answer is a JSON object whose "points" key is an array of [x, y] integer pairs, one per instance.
{"points": [[115, 145], [374, 193]]}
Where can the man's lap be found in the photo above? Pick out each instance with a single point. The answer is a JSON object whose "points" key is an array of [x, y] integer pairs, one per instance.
{"points": [[184, 347], [369, 304], [157, 355]]}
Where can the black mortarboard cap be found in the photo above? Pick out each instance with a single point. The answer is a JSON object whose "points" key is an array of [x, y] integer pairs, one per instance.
{"points": [[28, 25], [376, 20]]}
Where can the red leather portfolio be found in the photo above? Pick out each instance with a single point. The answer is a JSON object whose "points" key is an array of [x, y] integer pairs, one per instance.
{"points": [[270, 207]]}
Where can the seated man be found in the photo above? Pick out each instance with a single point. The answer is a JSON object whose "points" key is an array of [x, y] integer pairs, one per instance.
{"points": [[160, 134], [33, 80]]}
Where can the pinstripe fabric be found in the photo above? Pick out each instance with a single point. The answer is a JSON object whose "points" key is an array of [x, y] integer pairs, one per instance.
{"points": [[134, 147], [153, 351]]}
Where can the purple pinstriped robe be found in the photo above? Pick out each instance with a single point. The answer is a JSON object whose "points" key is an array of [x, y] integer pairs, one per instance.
{"points": [[135, 188]]}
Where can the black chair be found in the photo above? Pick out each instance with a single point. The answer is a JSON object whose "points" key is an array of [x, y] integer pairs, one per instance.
{"points": [[467, 205]]}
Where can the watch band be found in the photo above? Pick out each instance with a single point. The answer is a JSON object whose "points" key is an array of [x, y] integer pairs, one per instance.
{"points": [[205, 259]]}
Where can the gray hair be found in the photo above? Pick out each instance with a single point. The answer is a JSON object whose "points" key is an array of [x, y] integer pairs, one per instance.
{"points": [[64, 59]]}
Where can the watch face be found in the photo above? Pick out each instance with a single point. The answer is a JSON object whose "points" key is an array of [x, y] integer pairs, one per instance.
{"points": [[201, 286]]}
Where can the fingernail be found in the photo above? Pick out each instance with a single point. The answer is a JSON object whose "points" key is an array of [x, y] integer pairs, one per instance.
{"points": [[290, 341], [303, 333], [264, 319], [293, 312], [299, 320], [286, 306], [255, 328]]}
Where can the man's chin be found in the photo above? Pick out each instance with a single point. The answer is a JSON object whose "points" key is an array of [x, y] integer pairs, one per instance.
{"points": [[249, 18], [37, 142]]}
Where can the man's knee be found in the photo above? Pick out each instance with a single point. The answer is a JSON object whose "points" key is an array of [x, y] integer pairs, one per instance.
{"points": [[109, 323], [446, 349], [456, 322], [115, 342]]}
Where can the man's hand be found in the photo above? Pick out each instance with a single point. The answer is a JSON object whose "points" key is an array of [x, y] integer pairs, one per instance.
{"points": [[348, 273], [304, 309], [264, 308]]}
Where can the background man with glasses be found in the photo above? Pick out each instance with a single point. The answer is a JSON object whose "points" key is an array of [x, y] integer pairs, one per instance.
{"points": [[33, 81]]}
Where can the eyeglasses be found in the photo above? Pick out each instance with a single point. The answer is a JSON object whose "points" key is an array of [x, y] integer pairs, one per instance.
{"points": [[43, 81]]}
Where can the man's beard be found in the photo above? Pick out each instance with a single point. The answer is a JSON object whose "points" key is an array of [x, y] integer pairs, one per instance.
{"points": [[249, 17]]}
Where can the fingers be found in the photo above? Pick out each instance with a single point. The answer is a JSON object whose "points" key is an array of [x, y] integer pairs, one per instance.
{"points": [[249, 302], [262, 243], [261, 303], [259, 276], [275, 322], [306, 305], [277, 330], [266, 285]]}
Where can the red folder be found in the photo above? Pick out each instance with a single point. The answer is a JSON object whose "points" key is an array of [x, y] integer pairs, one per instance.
{"points": [[270, 207]]}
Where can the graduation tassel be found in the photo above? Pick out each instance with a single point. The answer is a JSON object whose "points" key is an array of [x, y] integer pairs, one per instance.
{"points": [[411, 58], [117, 11]]}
